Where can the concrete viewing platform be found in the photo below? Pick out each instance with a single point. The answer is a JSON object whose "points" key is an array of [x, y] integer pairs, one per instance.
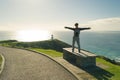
{"points": [[82, 59]]}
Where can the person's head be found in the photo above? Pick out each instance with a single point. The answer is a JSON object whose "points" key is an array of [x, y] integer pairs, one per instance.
{"points": [[76, 25]]}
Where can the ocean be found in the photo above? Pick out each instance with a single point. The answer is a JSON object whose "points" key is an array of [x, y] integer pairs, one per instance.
{"points": [[101, 43]]}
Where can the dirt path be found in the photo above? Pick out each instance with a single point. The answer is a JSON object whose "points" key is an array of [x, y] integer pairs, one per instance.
{"points": [[26, 65]]}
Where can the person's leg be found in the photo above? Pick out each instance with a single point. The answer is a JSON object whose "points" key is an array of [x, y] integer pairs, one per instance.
{"points": [[73, 44], [78, 43]]}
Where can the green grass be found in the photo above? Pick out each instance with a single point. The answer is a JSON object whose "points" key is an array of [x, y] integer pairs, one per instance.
{"points": [[47, 44], [112, 69], [49, 52], [0, 61]]}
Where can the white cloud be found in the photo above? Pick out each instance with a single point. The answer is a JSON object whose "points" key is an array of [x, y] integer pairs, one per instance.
{"points": [[106, 24]]}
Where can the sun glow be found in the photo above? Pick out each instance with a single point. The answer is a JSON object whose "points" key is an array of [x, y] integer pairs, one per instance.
{"points": [[33, 35]]}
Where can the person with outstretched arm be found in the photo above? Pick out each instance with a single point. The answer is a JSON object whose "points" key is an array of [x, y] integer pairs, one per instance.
{"points": [[76, 35]]}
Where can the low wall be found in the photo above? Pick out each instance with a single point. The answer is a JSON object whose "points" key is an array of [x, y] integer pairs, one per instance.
{"points": [[83, 59]]}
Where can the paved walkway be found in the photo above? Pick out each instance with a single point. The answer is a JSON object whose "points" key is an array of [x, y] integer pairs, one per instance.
{"points": [[26, 65]]}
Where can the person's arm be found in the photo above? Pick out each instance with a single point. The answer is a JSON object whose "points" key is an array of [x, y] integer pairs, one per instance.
{"points": [[69, 28], [84, 28]]}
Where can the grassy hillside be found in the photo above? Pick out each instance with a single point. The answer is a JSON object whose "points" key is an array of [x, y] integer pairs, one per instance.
{"points": [[48, 44]]}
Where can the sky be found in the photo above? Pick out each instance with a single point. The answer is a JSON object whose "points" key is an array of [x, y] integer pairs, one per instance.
{"points": [[100, 15]]}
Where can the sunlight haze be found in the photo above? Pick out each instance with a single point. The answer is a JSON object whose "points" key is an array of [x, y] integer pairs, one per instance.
{"points": [[33, 35]]}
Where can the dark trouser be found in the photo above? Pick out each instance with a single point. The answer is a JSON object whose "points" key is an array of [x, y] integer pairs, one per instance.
{"points": [[78, 43]]}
